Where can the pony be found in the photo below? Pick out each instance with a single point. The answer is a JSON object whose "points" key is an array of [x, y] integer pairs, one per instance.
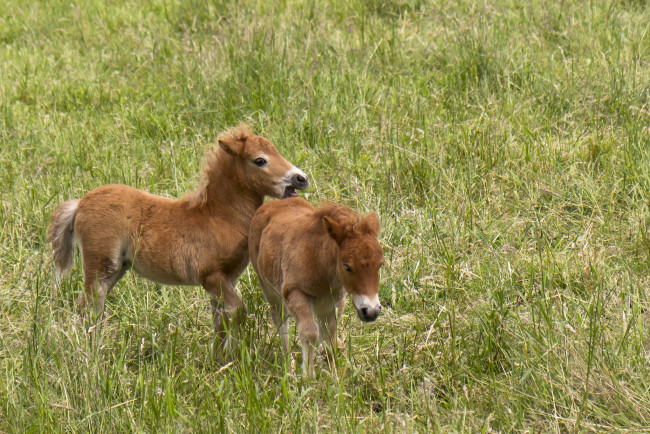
{"points": [[307, 259], [199, 239]]}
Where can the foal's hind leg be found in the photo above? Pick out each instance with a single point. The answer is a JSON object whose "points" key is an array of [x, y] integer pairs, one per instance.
{"points": [[279, 312], [101, 273], [327, 326], [340, 306], [301, 309], [281, 321]]}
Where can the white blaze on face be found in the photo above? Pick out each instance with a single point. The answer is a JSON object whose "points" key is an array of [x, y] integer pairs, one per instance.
{"points": [[293, 172], [361, 301]]}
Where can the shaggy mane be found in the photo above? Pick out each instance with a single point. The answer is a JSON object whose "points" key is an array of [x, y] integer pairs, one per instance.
{"points": [[340, 214], [199, 197]]}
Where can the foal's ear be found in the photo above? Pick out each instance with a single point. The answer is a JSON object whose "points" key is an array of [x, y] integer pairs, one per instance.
{"points": [[233, 147], [370, 225], [334, 229]]}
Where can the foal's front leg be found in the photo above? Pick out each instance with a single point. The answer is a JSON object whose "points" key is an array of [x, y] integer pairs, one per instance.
{"points": [[328, 325], [227, 308]]}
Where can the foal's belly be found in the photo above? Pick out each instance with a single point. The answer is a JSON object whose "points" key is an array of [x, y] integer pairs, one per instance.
{"points": [[163, 276], [190, 270], [167, 270]]}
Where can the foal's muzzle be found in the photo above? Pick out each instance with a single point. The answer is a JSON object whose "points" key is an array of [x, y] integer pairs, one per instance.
{"points": [[367, 308], [368, 314], [299, 181]]}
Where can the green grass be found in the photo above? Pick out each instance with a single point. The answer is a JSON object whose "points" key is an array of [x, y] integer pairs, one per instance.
{"points": [[504, 145]]}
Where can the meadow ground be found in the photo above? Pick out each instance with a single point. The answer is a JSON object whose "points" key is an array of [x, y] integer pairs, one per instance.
{"points": [[505, 146]]}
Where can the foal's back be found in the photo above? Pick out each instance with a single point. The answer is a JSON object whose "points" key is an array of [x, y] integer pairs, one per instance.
{"points": [[290, 245], [282, 233], [117, 221]]}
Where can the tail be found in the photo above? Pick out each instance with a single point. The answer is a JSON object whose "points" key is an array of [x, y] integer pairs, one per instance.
{"points": [[60, 234]]}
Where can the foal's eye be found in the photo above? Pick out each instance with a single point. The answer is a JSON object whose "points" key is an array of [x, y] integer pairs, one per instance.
{"points": [[347, 268], [260, 162]]}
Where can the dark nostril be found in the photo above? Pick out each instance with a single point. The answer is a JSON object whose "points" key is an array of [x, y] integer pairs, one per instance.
{"points": [[364, 312], [300, 181]]}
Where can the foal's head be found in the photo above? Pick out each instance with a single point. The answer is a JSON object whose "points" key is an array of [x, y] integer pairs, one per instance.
{"points": [[359, 261], [260, 166]]}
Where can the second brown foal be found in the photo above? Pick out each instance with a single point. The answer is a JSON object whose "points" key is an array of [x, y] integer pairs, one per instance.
{"points": [[307, 260]]}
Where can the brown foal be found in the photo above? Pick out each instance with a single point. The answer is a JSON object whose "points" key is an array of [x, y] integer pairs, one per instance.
{"points": [[200, 239], [307, 259]]}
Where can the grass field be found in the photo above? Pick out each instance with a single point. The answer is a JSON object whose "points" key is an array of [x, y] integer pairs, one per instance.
{"points": [[505, 146]]}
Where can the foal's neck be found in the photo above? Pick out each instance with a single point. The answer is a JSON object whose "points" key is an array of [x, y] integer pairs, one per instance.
{"points": [[231, 199]]}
